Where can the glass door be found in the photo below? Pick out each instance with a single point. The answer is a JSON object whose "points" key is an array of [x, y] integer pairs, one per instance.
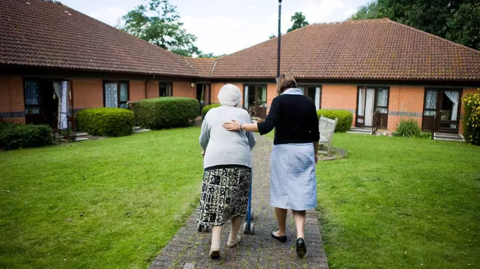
{"points": [[256, 100], [441, 110], [369, 101]]}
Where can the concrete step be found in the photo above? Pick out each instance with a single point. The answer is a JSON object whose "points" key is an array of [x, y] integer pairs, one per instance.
{"points": [[78, 139], [141, 130], [448, 137], [356, 130], [80, 134]]}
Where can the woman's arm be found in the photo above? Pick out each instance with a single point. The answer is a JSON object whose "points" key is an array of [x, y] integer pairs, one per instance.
{"points": [[204, 135], [264, 127], [234, 125]]}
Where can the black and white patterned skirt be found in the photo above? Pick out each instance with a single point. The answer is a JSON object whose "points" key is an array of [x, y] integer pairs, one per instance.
{"points": [[224, 194]]}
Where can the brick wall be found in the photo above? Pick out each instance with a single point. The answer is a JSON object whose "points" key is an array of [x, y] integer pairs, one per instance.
{"points": [[87, 93], [340, 97], [12, 102], [184, 89], [137, 90], [153, 89], [405, 102]]}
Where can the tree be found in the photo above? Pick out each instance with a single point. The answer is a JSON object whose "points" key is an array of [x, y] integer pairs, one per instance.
{"points": [[159, 23], [272, 36], [298, 20], [456, 20]]}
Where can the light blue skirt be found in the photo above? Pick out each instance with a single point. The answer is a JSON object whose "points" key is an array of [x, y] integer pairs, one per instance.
{"points": [[293, 184]]}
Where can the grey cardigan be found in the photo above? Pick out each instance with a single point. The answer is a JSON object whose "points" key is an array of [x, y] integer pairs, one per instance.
{"points": [[223, 147]]}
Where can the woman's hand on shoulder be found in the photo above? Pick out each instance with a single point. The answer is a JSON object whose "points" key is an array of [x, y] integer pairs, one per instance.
{"points": [[233, 125]]}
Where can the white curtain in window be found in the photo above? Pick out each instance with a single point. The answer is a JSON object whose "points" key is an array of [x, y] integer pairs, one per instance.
{"points": [[31, 93], [64, 107], [317, 98], [263, 101], [111, 95], [61, 92], [382, 97], [431, 100], [361, 102], [453, 96], [369, 107], [245, 102]]}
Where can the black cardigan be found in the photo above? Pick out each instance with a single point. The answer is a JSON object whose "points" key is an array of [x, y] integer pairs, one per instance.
{"points": [[294, 118]]}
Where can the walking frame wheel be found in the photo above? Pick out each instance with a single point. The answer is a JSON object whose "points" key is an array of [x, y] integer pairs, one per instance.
{"points": [[248, 229], [202, 228]]}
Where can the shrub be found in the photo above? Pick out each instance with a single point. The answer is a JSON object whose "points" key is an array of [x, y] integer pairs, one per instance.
{"points": [[345, 118], [471, 119], [106, 121], [207, 108], [165, 112], [15, 136], [408, 128]]}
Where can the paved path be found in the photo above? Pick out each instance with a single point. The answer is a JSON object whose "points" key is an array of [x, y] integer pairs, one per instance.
{"points": [[189, 248]]}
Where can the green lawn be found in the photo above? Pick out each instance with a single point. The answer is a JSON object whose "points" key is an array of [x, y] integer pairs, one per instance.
{"points": [[112, 203], [401, 203]]}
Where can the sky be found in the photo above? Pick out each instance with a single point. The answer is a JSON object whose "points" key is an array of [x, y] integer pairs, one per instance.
{"points": [[226, 26]]}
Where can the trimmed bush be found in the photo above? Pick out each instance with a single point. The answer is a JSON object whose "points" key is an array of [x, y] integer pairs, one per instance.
{"points": [[408, 128], [207, 108], [165, 112], [106, 121], [471, 119], [15, 136], [345, 118]]}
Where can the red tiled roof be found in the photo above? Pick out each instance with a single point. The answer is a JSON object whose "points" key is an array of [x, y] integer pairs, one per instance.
{"points": [[44, 34], [365, 49], [204, 66]]}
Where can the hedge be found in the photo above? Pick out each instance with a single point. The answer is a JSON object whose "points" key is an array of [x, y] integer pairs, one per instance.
{"points": [[471, 119], [106, 121], [165, 112], [345, 118], [15, 136], [207, 108]]}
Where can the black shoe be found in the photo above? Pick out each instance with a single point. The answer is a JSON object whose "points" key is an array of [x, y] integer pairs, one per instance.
{"points": [[282, 238], [301, 248]]}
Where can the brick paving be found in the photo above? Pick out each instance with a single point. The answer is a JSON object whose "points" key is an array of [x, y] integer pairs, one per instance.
{"points": [[189, 249]]}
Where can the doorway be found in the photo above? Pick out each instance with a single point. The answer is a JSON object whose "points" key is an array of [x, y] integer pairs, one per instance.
{"points": [[372, 100], [47, 102], [255, 100], [441, 110], [203, 95]]}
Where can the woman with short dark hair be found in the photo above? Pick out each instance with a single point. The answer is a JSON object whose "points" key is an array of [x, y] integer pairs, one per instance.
{"points": [[294, 155]]}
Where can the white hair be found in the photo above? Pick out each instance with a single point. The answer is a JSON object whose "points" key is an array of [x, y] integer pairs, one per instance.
{"points": [[229, 95]]}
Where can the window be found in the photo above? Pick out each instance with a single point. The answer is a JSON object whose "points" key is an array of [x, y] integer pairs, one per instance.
{"points": [[314, 92], [165, 89], [116, 94], [32, 97], [430, 103]]}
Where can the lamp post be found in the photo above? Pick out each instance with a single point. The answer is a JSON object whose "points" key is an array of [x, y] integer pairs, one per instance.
{"points": [[279, 36]]}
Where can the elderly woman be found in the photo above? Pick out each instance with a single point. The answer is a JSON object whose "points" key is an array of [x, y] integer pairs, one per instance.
{"points": [[293, 158], [227, 169]]}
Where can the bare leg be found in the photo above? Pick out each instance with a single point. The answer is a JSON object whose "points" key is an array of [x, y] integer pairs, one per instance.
{"points": [[216, 233], [236, 222], [299, 217], [281, 220]]}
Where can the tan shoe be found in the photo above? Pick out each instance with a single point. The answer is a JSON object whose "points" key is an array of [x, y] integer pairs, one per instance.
{"points": [[214, 253], [235, 243]]}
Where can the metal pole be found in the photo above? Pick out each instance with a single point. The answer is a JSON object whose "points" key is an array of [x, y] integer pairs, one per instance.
{"points": [[279, 36]]}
